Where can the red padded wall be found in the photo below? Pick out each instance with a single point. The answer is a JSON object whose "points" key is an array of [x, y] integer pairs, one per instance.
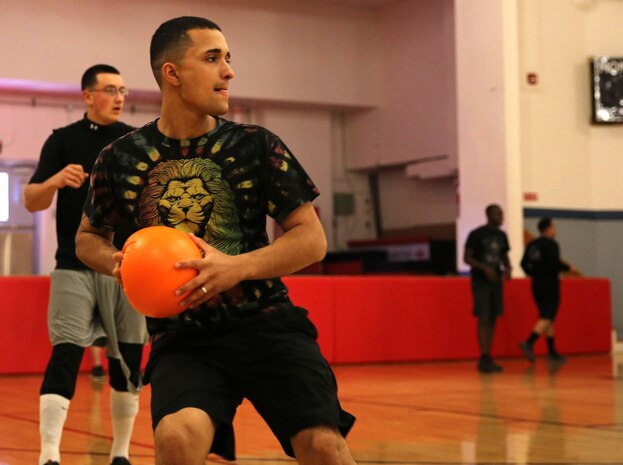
{"points": [[363, 318]]}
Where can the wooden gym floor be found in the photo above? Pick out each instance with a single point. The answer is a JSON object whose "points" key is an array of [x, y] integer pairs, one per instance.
{"points": [[416, 413]]}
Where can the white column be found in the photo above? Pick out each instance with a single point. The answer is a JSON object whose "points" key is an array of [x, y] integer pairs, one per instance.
{"points": [[488, 118]]}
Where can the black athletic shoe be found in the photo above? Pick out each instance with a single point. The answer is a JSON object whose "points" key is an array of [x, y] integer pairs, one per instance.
{"points": [[50, 462], [98, 372], [487, 365], [120, 461], [527, 350], [556, 357]]}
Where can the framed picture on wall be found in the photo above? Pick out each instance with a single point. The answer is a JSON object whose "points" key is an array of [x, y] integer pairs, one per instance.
{"points": [[607, 89]]}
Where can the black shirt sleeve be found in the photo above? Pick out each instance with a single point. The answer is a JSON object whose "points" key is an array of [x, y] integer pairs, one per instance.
{"points": [[286, 184], [50, 161], [472, 240], [552, 257]]}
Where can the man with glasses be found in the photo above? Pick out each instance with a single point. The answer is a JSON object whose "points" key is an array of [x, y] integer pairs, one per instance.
{"points": [[85, 307]]}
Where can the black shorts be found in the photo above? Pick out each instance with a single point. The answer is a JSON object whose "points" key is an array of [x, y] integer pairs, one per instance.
{"points": [[547, 301], [272, 359], [488, 298]]}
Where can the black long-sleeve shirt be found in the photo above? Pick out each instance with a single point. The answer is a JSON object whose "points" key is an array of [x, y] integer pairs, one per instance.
{"points": [[542, 262]]}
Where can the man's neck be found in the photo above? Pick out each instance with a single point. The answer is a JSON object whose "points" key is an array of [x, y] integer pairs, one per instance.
{"points": [[97, 119], [183, 124]]}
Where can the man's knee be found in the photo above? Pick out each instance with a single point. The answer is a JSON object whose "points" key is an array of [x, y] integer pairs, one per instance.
{"points": [[183, 437], [321, 444], [62, 370], [132, 355]]}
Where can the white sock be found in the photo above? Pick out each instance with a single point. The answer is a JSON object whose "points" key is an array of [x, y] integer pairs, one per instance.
{"points": [[123, 410], [52, 414]]}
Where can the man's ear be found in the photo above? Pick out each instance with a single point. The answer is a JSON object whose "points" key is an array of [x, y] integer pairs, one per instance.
{"points": [[169, 74], [87, 97]]}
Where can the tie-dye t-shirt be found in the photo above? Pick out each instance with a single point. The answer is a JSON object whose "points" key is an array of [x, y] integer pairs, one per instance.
{"points": [[219, 186]]}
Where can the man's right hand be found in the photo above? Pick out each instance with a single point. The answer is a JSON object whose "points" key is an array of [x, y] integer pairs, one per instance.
{"points": [[72, 175], [491, 274]]}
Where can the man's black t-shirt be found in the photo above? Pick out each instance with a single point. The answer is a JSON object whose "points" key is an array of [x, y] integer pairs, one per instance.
{"points": [[78, 143], [542, 262], [220, 186], [488, 245]]}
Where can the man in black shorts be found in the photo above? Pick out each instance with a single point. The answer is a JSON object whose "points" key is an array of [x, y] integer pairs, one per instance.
{"points": [[486, 251], [241, 337], [85, 306], [541, 261]]}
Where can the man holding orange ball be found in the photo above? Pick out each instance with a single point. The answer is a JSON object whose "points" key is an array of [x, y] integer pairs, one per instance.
{"points": [[85, 306], [241, 336]]}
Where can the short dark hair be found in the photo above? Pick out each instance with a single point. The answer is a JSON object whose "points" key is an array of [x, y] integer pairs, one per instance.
{"points": [[89, 78], [544, 224], [491, 207], [171, 40]]}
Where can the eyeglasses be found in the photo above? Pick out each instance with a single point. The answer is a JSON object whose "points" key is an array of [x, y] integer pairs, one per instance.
{"points": [[112, 91]]}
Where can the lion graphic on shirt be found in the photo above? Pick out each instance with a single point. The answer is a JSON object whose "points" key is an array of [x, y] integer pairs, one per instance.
{"points": [[190, 195]]}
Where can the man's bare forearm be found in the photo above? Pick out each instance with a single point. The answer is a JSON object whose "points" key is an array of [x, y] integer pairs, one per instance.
{"points": [[39, 196], [94, 248], [296, 249]]}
